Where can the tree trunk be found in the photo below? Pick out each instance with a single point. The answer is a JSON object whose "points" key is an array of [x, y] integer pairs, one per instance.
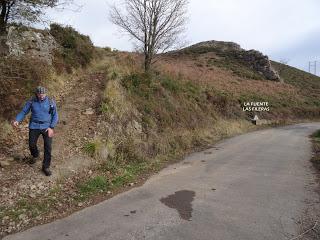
{"points": [[3, 18], [147, 62], [3, 28]]}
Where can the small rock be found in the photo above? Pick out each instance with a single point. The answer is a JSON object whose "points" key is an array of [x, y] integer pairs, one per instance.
{"points": [[109, 192], [80, 204], [22, 216], [131, 184], [32, 195], [89, 111], [90, 172], [10, 159], [17, 157], [4, 163], [33, 187], [40, 186], [22, 187]]}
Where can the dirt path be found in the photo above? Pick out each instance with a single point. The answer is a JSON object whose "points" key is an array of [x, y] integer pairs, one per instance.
{"points": [[74, 129], [78, 119]]}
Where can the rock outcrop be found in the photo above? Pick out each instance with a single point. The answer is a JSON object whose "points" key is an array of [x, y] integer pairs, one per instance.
{"points": [[32, 43], [252, 58], [260, 63]]}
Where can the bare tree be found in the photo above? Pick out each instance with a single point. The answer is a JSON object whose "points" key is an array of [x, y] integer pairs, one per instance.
{"points": [[24, 11], [155, 25]]}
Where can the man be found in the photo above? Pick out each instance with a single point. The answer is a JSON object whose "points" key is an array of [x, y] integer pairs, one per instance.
{"points": [[44, 117]]}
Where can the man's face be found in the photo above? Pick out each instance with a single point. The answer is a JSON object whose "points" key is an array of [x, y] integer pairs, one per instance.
{"points": [[41, 96]]}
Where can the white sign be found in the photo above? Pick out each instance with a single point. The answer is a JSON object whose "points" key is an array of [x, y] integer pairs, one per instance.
{"points": [[256, 107]]}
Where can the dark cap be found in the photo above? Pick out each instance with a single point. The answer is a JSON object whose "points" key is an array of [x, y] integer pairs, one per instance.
{"points": [[41, 90]]}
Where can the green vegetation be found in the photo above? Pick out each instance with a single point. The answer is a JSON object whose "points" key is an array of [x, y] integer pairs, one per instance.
{"points": [[94, 185], [238, 68], [77, 51], [23, 74], [315, 137], [90, 148], [308, 84]]}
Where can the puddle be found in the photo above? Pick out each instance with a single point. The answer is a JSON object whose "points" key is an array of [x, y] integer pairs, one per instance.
{"points": [[181, 201]]}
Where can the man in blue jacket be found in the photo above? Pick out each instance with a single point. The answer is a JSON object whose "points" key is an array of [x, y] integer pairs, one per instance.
{"points": [[44, 117]]}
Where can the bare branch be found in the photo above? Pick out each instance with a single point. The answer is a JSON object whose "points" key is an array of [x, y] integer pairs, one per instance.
{"points": [[155, 24], [26, 11]]}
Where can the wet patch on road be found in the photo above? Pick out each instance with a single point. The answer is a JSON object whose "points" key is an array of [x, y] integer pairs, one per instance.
{"points": [[181, 201]]}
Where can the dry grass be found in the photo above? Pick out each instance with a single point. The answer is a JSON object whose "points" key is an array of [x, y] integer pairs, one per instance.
{"points": [[188, 69], [5, 129]]}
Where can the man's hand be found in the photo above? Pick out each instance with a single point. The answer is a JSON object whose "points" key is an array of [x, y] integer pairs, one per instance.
{"points": [[15, 123], [50, 132]]}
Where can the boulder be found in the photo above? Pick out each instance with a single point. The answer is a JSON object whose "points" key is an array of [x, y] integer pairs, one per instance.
{"points": [[37, 44], [4, 163], [261, 64]]}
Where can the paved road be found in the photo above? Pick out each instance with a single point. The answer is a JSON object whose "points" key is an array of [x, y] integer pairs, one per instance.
{"points": [[254, 186]]}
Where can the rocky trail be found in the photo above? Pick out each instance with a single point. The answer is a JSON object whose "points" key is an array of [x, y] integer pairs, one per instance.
{"points": [[77, 108]]}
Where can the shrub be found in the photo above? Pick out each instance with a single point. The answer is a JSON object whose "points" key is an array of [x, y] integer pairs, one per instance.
{"points": [[170, 84], [77, 49], [18, 78], [94, 185], [90, 148]]}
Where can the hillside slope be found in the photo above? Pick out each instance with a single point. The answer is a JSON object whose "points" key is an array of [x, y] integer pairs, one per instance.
{"points": [[119, 124]]}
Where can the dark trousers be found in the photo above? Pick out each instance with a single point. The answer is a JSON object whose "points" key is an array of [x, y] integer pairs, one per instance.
{"points": [[33, 139]]}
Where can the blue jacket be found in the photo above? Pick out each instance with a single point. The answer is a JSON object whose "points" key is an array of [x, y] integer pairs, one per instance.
{"points": [[41, 116]]}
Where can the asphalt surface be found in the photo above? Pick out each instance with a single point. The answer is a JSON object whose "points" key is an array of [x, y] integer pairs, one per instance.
{"points": [[254, 186]]}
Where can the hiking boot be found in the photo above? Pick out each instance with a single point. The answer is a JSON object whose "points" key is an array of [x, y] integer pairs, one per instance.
{"points": [[46, 171], [33, 160]]}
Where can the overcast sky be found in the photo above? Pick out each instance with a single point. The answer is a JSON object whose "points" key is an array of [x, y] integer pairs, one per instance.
{"points": [[281, 29]]}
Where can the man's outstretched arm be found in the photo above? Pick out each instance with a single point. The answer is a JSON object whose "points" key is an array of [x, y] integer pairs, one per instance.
{"points": [[25, 110]]}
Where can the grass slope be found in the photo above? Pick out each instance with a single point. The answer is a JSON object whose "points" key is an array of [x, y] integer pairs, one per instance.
{"points": [[144, 121]]}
